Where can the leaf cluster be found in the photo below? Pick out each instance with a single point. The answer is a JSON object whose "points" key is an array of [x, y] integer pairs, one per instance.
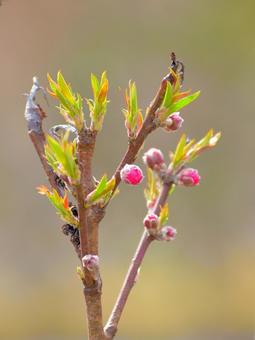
{"points": [[71, 104], [61, 156], [133, 115], [174, 100], [61, 205], [187, 151], [102, 193], [98, 105]]}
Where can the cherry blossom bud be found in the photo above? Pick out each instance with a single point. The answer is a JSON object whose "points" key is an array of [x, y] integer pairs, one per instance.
{"points": [[173, 122], [151, 221], [154, 159], [131, 174], [91, 262], [167, 234], [189, 177]]}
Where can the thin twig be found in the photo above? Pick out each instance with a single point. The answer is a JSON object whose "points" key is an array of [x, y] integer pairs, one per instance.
{"points": [[149, 122], [145, 241], [148, 126]]}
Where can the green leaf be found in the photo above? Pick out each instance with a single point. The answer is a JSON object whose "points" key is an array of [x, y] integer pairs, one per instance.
{"points": [[56, 149], [103, 189], [103, 78], [65, 89], [151, 192], [98, 105], [133, 99], [132, 114], [61, 205], [168, 96], [94, 84], [207, 142], [70, 104], [179, 151], [61, 156], [177, 106]]}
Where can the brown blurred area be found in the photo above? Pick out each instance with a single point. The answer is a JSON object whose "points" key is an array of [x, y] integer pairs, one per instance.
{"points": [[201, 286]]}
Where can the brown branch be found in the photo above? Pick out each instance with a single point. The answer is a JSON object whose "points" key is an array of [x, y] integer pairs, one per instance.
{"points": [[86, 146], [88, 226], [145, 241]]}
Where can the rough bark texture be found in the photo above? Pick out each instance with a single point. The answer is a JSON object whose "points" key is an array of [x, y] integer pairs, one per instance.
{"points": [[94, 313]]}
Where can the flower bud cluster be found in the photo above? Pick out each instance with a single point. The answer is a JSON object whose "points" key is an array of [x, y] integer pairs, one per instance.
{"points": [[152, 224]]}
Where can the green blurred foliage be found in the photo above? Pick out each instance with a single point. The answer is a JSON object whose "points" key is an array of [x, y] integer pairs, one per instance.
{"points": [[201, 286]]}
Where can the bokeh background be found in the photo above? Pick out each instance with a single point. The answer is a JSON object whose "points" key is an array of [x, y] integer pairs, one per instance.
{"points": [[202, 286]]}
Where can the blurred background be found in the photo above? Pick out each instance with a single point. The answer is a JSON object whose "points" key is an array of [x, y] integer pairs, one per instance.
{"points": [[202, 285]]}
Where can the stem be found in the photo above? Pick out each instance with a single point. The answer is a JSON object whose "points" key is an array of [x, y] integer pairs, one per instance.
{"points": [[86, 146], [145, 241], [89, 234]]}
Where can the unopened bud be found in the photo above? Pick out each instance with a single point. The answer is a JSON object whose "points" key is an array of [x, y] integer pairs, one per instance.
{"points": [[173, 122], [151, 221], [167, 234], [131, 174], [189, 177], [154, 159], [91, 262]]}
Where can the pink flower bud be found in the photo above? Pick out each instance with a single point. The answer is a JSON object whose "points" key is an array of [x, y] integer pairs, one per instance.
{"points": [[189, 177], [173, 122], [131, 174], [154, 159], [91, 262], [151, 221], [167, 234]]}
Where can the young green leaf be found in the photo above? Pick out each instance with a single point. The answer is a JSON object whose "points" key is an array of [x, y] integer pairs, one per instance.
{"points": [[61, 156], [98, 105], [132, 113], [70, 104], [168, 96], [177, 106], [94, 84], [61, 205], [103, 189], [179, 151]]}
